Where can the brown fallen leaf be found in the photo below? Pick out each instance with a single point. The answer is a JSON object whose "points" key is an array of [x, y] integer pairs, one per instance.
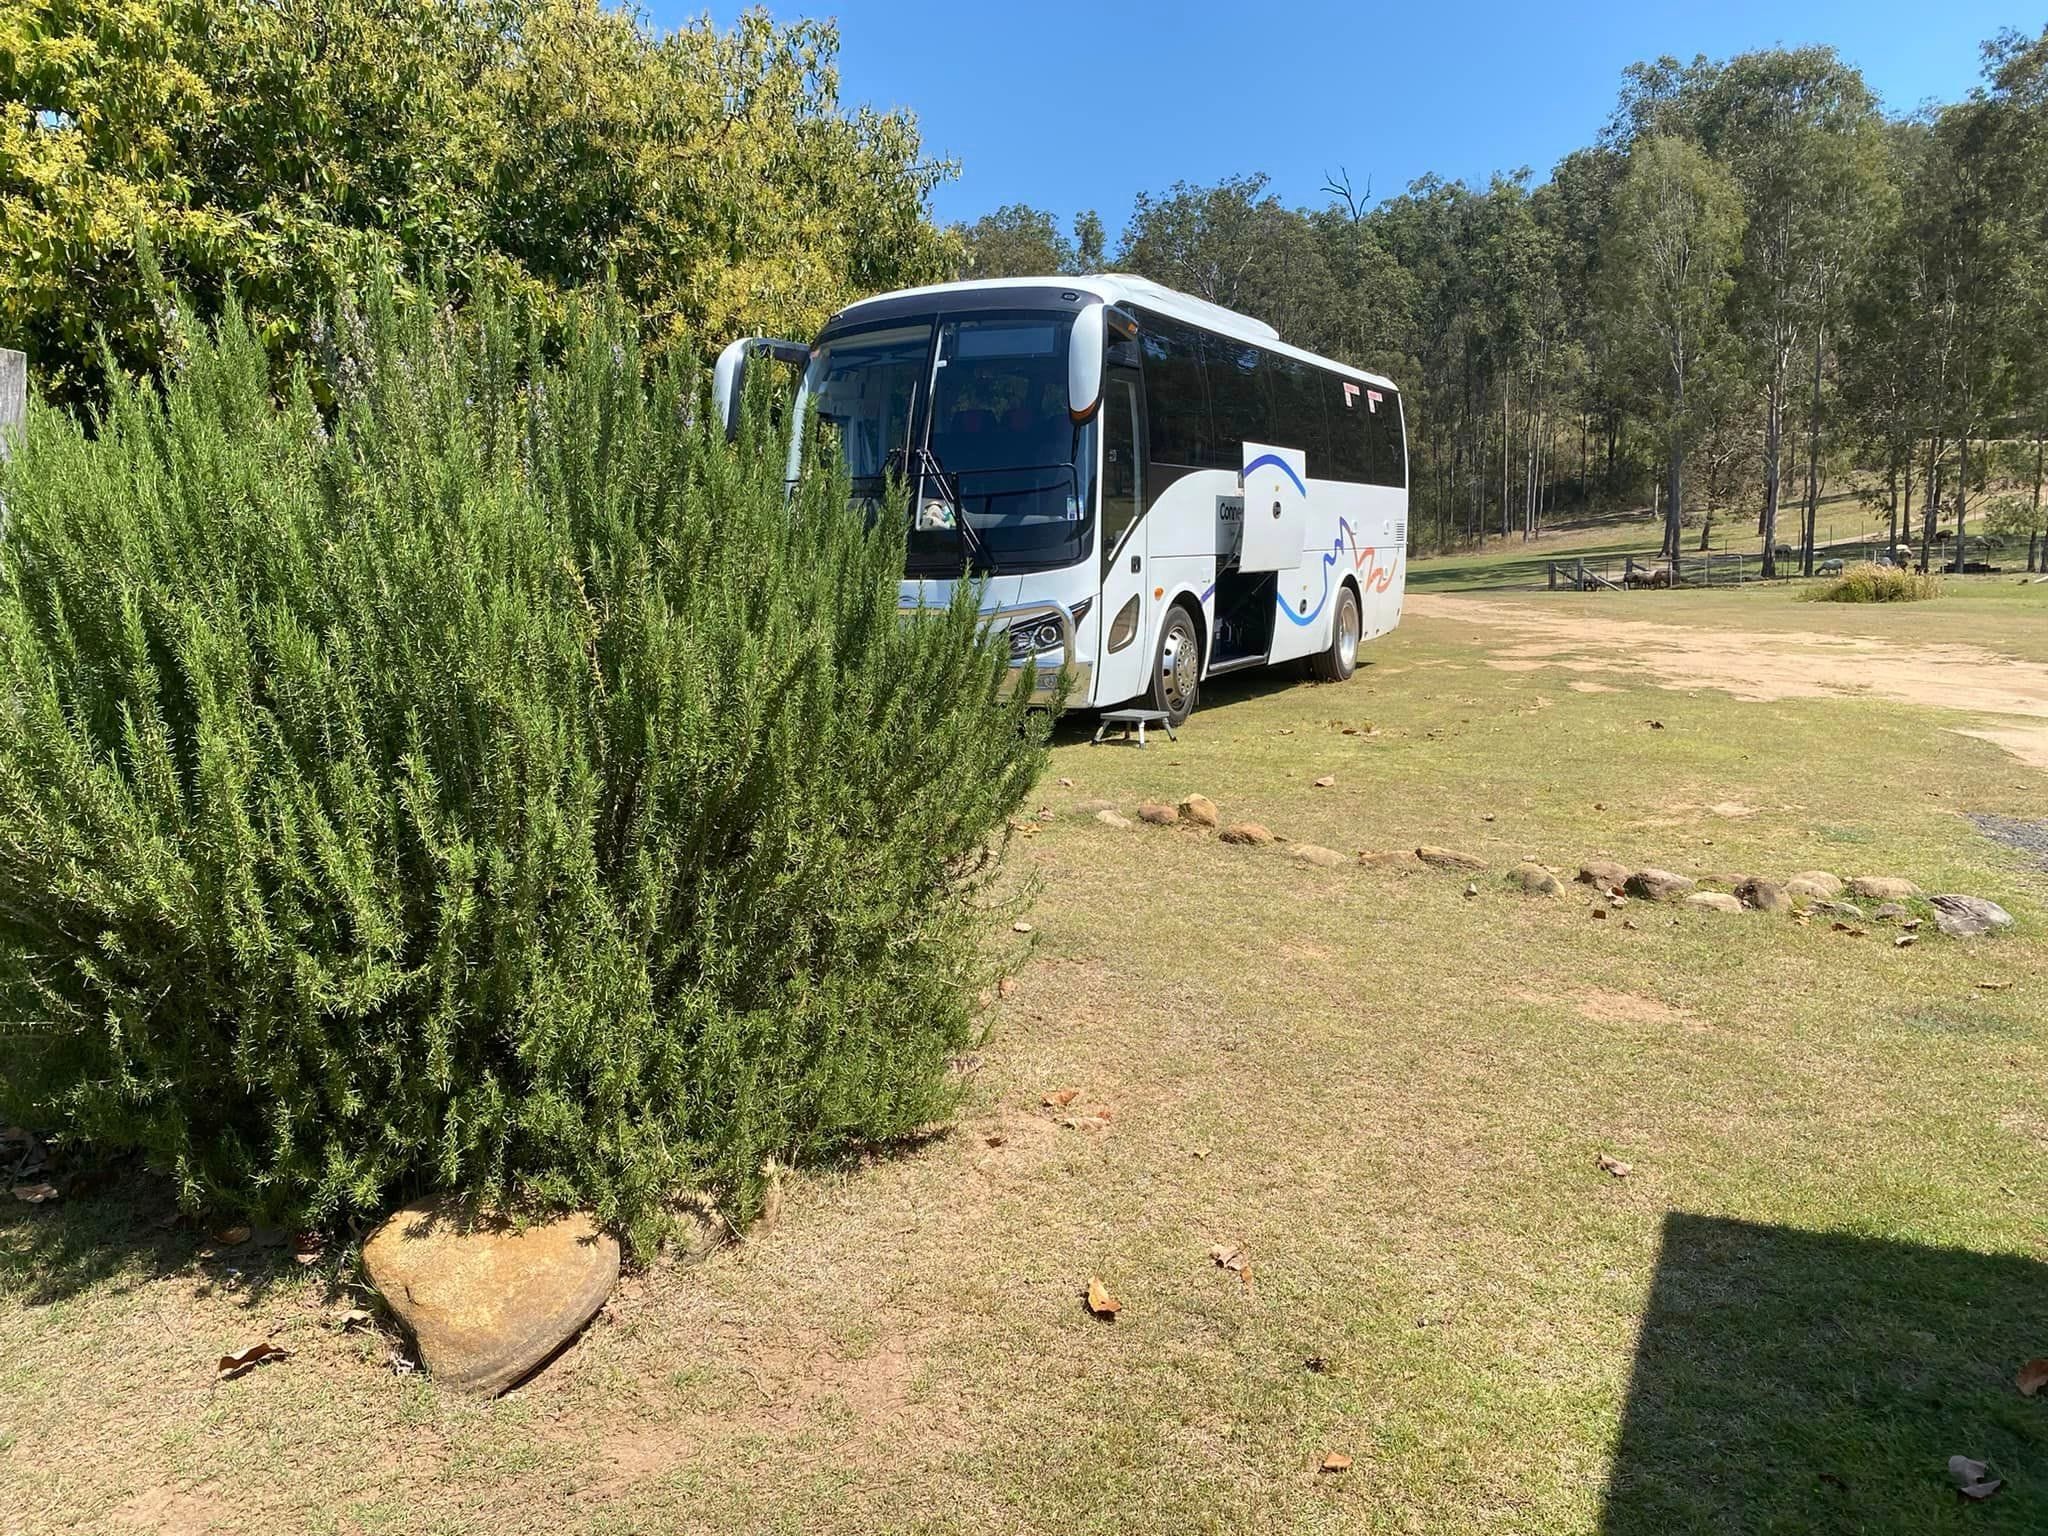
{"points": [[1006, 987], [1098, 1121], [232, 1366], [354, 1320], [1100, 1302], [1326, 781], [1655, 725], [231, 1237], [1315, 1365], [1993, 986], [1910, 924], [1060, 1098], [1613, 1165], [1903, 941], [35, 1194], [1850, 929], [1233, 1258], [307, 1248], [993, 1141], [1628, 922], [2032, 1378], [1973, 1479], [1336, 1461], [1066, 783], [1600, 912]]}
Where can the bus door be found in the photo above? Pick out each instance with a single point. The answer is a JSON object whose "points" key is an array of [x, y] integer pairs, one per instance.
{"points": [[1127, 607]]}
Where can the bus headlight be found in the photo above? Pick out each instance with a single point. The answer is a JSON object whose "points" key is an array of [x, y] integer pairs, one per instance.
{"points": [[1029, 637]]}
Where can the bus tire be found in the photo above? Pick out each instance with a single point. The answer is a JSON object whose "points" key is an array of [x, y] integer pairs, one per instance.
{"points": [[1177, 669], [1341, 659]]}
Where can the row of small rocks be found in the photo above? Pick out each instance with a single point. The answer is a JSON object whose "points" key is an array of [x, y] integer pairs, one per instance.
{"points": [[1200, 812], [1817, 890]]}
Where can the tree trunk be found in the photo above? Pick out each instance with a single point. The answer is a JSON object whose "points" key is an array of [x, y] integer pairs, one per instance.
{"points": [[1931, 509], [2038, 435], [1906, 503], [1673, 492], [1813, 452], [1774, 421], [1962, 500], [1503, 461], [1585, 465]]}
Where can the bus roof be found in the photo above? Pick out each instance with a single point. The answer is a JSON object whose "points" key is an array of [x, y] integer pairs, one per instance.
{"points": [[1122, 287]]}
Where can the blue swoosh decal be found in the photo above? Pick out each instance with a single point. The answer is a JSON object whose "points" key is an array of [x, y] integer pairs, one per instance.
{"points": [[1303, 620], [1278, 463]]}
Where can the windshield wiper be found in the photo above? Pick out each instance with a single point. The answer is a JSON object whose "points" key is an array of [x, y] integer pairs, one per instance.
{"points": [[976, 546]]}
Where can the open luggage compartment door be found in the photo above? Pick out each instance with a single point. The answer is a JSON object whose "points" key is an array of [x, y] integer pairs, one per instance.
{"points": [[1275, 482]]}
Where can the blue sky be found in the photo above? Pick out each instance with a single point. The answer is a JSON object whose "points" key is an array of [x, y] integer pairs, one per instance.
{"points": [[1070, 106]]}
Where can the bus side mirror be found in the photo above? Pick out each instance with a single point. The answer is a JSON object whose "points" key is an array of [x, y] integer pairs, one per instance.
{"points": [[728, 381], [729, 373], [1084, 363]]}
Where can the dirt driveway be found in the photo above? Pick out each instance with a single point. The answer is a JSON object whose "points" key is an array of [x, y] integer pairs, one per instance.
{"points": [[2007, 698]]}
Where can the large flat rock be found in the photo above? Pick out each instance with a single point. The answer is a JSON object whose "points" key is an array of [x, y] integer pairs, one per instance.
{"points": [[488, 1302]]}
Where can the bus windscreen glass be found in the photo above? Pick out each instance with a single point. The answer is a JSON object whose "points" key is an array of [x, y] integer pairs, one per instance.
{"points": [[989, 443]]}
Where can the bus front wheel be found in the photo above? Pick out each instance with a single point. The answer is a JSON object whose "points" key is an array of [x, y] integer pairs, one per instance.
{"points": [[1341, 659], [1176, 679]]}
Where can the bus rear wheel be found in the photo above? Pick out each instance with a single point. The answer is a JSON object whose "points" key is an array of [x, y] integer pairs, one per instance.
{"points": [[1176, 679], [1341, 659]]}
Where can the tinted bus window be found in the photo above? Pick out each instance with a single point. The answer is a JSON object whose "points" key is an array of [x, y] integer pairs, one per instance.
{"points": [[1239, 408], [1176, 394], [1383, 435], [1351, 430], [1298, 418]]}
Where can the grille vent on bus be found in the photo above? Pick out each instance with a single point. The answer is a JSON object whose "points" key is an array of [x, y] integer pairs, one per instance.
{"points": [[1401, 534]]}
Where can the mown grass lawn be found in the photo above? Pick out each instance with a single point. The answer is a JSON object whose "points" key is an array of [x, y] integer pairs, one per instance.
{"points": [[1813, 1288]]}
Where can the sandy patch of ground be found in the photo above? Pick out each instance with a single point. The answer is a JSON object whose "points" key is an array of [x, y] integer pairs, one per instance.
{"points": [[1602, 1006], [1761, 666]]}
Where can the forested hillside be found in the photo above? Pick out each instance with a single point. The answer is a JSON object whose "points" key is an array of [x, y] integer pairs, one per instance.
{"points": [[1754, 288]]}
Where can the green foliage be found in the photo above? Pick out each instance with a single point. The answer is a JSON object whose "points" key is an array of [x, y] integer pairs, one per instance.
{"points": [[1866, 583], [1018, 240], [497, 783], [277, 145]]}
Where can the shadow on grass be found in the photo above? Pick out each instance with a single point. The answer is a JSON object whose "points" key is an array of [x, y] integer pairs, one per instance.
{"points": [[1790, 1381], [118, 1226], [1218, 695]]}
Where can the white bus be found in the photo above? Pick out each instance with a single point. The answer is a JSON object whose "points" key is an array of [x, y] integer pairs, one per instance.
{"points": [[1154, 490]]}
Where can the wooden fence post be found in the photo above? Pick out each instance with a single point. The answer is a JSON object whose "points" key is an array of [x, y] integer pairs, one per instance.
{"points": [[13, 395]]}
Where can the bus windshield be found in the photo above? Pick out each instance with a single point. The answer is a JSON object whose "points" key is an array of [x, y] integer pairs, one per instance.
{"points": [[971, 410]]}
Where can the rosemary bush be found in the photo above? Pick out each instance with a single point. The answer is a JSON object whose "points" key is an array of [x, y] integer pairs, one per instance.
{"points": [[453, 769]]}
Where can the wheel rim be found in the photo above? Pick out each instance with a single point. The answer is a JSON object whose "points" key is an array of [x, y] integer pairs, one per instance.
{"points": [[1347, 632], [1177, 668]]}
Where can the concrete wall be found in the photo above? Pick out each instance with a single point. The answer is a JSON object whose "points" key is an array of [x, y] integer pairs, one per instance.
{"points": [[13, 394]]}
